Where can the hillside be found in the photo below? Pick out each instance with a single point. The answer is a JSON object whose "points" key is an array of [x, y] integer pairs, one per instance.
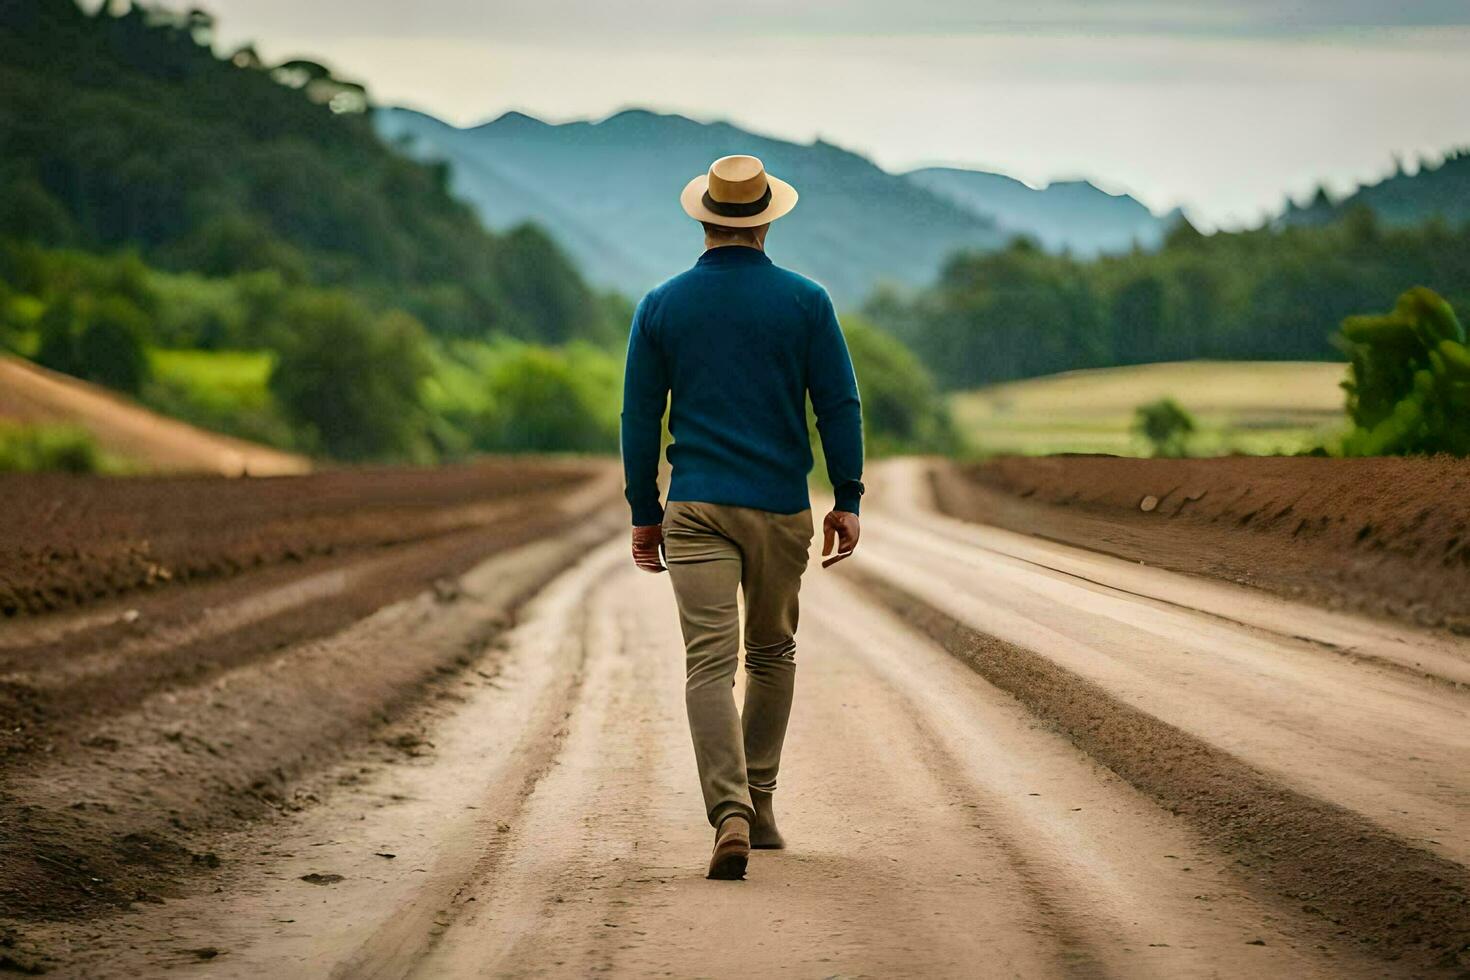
{"points": [[128, 132], [608, 192], [1401, 200], [1070, 215], [123, 429]]}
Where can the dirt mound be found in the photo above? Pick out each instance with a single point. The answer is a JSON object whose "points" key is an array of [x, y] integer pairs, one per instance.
{"points": [[32, 394], [69, 541], [1389, 536]]}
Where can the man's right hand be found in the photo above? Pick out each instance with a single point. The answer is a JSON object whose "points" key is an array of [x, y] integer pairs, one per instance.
{"points": [[646, 540], [842, 526]]}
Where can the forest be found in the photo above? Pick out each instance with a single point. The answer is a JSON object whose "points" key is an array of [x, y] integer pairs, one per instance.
{"points": [[1274, 293]]}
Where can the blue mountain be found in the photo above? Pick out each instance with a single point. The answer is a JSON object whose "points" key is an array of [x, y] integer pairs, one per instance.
{"points": [[608, 191]]}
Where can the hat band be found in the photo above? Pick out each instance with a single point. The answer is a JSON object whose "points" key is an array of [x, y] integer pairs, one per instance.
{"points": [[731, 210]]}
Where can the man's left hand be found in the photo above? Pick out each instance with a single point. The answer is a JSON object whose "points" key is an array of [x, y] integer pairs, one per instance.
{"points": [[646, 540]]}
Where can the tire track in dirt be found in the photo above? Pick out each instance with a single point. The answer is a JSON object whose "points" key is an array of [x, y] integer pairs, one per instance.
{"points": [[581, 829], [1123, 887], [607, 871], [412, 933], [1406, 905], [1380, 743], [905, 860]]}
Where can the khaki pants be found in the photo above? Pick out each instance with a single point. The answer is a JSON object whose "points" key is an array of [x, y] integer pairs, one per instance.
{"points": [[713, 550]]}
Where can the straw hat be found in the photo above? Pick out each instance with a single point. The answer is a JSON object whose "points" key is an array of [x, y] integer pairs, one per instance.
{"points": [[737, 193]]}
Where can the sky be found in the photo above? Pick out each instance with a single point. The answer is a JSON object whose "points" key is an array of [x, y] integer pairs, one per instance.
{"points": [[1224, 108]]}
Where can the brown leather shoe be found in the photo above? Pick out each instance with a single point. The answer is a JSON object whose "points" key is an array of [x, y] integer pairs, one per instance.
{"points": [[732, 849], [763, 833]]}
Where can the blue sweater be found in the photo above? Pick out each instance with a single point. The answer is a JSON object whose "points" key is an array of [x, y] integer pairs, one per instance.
{"points": [[739, 342]]}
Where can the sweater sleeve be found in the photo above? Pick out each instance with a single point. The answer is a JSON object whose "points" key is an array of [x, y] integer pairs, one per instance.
{"points": [[645, 393], [834, 392]]}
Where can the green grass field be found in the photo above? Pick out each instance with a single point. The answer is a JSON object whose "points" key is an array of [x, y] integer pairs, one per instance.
{"points": [[224, 391], [1256, 407], [223, 381]]}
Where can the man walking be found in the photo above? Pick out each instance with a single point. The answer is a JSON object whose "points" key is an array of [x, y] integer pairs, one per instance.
{"points": [[734, 346]]}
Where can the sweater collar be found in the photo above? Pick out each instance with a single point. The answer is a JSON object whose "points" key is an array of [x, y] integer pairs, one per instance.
{"points": [[724, 255]]}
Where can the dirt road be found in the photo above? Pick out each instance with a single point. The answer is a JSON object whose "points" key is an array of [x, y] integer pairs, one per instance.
{"points": [[1009, 758]]}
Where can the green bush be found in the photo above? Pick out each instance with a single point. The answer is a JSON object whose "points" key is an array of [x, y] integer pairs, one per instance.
{"points": [[40, 448], [902, 407], [543, 399], [1166, 425], [353, 380], [99, 339], [1408, 385], [222, 390]]}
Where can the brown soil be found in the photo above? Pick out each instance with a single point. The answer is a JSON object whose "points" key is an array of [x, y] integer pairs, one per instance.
{"points": [[1385, 536], [995, 760], [1365, 885], [71, 540], [297, 616], [31, 394]]}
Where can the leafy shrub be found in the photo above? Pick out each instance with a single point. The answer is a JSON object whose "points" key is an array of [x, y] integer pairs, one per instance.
{"points": [[546, 399], [37, 448], [194, 311], [902, 408], [100, 339], [352, 379], [1408, 385], [1166, 425], [224, 391]]}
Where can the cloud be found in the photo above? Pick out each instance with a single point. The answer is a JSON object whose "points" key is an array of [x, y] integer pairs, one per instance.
{"points": [[708, 23]]}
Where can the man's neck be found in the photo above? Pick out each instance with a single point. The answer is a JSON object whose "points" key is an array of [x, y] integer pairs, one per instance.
{"points": [[711, 242]]}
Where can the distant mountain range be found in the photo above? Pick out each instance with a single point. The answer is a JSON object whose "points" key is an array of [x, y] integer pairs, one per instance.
{"points": [[1434, 191], [1070, 215], [608, 192]]}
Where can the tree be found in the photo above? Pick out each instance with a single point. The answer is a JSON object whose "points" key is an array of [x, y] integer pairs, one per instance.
{"points": [[1166, 425], [1138, 317], [555, 304], [101, 340], [110, 348], [29, 213], [352, 379], [1408, 386], [547, 400], [902, 408]]}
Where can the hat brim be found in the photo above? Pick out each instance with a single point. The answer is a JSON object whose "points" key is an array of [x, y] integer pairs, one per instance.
{"points": [[783, 199]]}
